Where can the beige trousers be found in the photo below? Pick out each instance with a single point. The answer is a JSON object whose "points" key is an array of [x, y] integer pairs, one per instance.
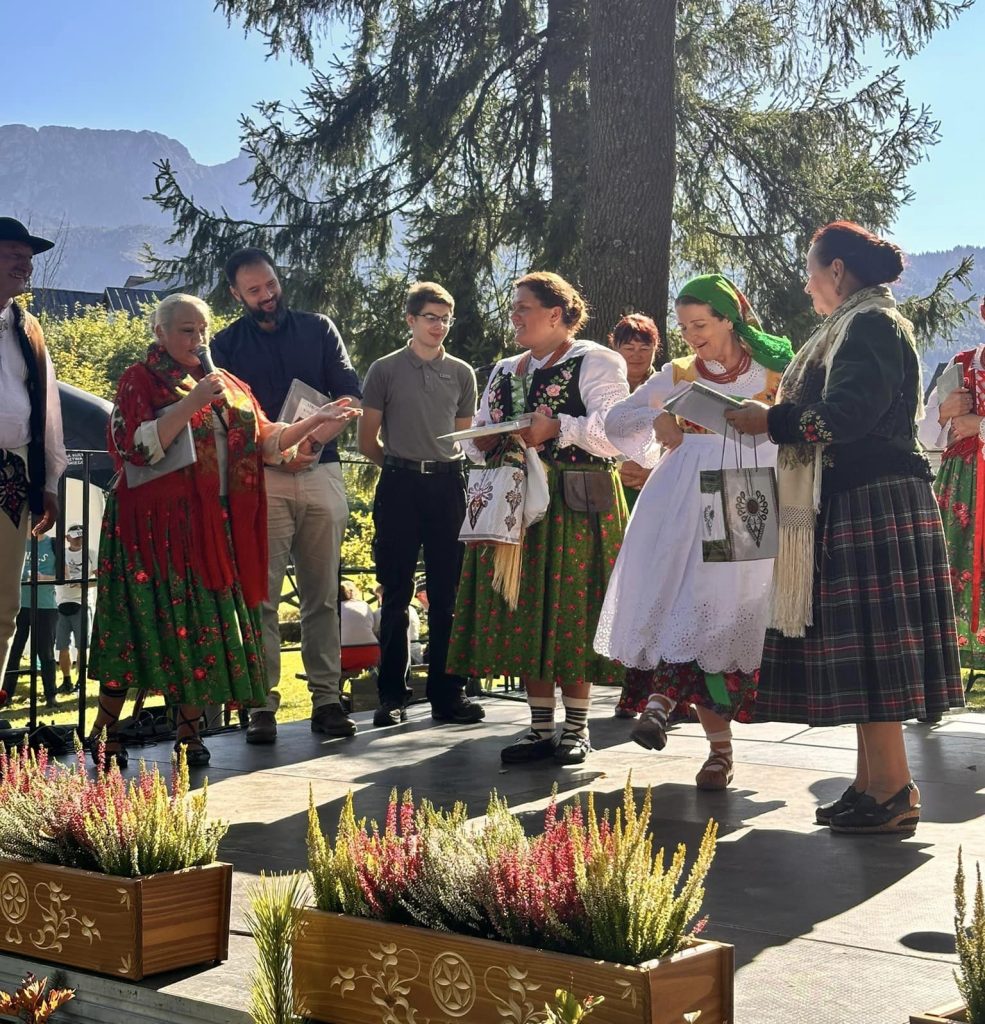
{"points": [[306, 518]]}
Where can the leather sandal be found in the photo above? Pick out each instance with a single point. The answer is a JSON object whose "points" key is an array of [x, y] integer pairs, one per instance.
{"points": [[824, 813], [197, 754], [650, 732], [896, 814], [111, 746], [716, 773]]}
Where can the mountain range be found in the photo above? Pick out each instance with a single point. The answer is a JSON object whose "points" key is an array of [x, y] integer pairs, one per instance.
{"points": [[87, 188]]}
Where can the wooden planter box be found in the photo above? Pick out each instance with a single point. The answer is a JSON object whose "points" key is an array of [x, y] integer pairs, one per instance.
{"points": [[942, 1015], [348, 970], [125, 927]]}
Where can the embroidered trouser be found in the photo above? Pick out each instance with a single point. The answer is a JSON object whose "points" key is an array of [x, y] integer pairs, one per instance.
{"points": [[12, 541]]}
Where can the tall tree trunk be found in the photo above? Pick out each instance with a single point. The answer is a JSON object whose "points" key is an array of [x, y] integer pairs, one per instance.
{"points": [[567, 58], [632, 168]]}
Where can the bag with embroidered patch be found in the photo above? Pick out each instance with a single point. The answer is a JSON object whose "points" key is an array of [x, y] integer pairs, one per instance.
{"points": [[739, 513]]}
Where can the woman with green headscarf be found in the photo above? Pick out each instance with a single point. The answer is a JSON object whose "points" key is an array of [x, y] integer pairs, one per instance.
{"points": [[699, 625]]}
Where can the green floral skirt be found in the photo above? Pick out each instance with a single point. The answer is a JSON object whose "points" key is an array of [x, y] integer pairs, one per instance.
{"points": [[567, 559], [161, 629], [955, 490]]}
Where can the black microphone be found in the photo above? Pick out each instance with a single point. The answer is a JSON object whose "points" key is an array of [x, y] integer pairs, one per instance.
{"points": [[205, 359]]}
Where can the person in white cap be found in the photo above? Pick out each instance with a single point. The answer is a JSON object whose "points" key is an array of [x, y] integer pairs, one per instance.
{"points": [[73, 612]]}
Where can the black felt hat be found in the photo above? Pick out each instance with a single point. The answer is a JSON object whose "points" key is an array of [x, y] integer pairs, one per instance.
{"points": [[13, 231]]}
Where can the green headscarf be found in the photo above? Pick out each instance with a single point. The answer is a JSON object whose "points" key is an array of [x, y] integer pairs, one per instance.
{"points": [[725, 299]]}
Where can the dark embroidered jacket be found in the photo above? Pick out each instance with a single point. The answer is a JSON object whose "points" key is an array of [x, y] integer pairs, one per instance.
{"points": [[551, 391], [27, 330], [866, 419]]}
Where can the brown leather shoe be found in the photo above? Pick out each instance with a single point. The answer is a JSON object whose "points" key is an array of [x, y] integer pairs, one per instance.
{"points": [[262, 727], [332, 721]]}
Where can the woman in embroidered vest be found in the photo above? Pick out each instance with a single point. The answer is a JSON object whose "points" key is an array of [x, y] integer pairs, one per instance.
{"points": [[183, 557], [955, 424], [862, 620], [697, 626], [568, 385]]}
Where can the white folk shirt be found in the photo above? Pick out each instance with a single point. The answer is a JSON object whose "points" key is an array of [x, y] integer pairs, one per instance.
{"points": [[15, 404]]}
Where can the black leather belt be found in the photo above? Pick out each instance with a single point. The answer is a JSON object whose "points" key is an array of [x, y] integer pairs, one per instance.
{"points": [[392, 462]]}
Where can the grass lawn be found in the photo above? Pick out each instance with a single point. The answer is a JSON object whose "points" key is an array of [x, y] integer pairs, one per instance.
{"points": [[295, 700]]}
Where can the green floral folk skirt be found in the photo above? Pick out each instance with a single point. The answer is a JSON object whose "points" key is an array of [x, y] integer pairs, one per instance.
{"points": [[955, 490], [161, 629], [567, 559]]}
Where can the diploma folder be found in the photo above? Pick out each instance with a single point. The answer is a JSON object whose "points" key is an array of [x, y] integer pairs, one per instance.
{"points": [[702, 406], [179, 454]]}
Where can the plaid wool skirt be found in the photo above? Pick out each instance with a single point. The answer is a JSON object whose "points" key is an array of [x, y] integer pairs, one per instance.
{"points": [[883, 646]]}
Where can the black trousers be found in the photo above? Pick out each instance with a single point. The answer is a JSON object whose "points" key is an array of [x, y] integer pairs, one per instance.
{"points": [[412, 511], [46, 622]]}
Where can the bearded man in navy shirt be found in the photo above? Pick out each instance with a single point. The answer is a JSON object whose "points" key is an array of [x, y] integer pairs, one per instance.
{"points": [[268, 347]]}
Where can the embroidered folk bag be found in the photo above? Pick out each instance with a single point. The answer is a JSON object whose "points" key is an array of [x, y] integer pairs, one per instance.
{"points": [[738, 513]]}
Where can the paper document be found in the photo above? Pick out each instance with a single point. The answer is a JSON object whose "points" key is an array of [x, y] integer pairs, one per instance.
{"points": [[706, 408], [950, 379], [506, 427]]}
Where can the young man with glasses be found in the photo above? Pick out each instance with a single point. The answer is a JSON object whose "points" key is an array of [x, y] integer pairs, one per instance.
{"points": [[410, 398]]}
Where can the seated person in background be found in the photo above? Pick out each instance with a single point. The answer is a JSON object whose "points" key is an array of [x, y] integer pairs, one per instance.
{"points": [[360, 648], [47, 616]]}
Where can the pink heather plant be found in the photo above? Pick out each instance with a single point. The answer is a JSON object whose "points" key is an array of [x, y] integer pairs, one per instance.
{"points": [[531, 892], [388, 862]]}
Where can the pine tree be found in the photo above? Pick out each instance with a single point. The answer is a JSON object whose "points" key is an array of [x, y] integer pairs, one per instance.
{"points": [[625, 143]]}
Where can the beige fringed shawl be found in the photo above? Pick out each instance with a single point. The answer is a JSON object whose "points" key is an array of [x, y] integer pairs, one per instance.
{"points": [[799, 465]]}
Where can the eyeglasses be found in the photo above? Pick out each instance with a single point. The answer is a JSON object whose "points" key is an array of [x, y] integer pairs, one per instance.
{"points": [[636, 344], [432, 318]]}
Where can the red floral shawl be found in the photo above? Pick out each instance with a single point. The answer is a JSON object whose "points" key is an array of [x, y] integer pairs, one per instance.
{"points": [[180, 516]]}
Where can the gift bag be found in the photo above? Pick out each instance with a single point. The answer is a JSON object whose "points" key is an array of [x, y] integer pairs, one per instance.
{"points": [[494, 505], [739, 515]]}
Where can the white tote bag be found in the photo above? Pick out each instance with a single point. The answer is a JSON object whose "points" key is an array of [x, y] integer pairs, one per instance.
{"points": [[494, 505], [538, 496]]}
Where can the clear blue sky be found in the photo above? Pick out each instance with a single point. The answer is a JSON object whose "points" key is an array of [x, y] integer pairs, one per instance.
{"points": [[177, 68]]}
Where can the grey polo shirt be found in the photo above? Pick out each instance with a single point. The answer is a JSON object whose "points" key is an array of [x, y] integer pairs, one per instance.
{"points": [[419, 400]]}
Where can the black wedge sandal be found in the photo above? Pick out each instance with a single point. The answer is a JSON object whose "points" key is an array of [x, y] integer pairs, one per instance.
{"points": [[848, 799], [114, 750], [897, 814], [197, 754]]}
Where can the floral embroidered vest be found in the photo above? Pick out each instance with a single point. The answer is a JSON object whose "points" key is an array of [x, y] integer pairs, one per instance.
{"points": [[550, 391]]}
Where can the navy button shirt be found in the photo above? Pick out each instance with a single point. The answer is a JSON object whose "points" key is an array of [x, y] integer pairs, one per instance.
{"points": [[307, 346]]}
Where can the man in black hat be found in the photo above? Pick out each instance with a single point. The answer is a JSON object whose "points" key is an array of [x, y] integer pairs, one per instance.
{"points": [[32, 451]]}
